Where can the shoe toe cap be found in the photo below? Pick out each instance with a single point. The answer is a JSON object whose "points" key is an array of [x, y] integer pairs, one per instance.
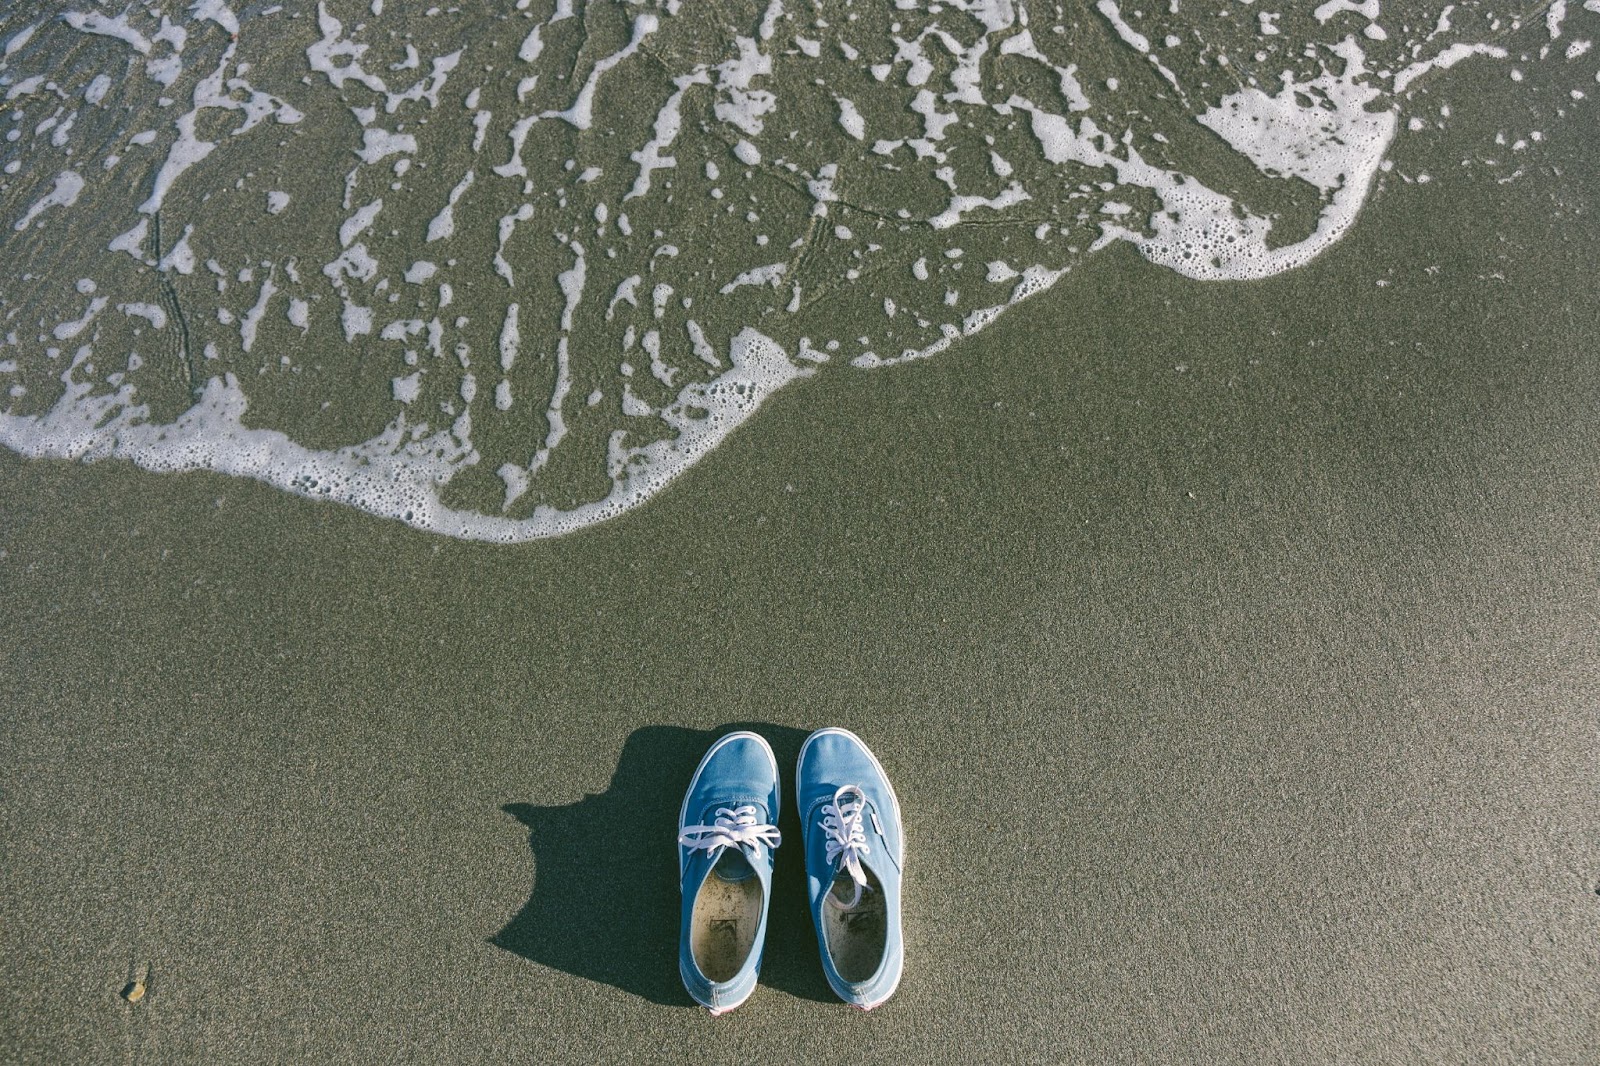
{"points": [[835, 757], [740, 769]]}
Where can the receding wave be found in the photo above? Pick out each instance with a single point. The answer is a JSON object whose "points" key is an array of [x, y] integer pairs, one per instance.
{"points": [[505, 274]]}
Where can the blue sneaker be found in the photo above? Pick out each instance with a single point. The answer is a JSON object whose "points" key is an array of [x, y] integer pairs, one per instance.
{"points": [[850, 825], [727, 830]]}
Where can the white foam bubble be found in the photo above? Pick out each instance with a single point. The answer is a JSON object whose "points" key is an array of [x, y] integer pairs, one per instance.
{"points": [[771, 275], [379, 144], [71, 328], [180, 258], [850, 119], [1446, 59], [444, 223], [152, 313], [669, 120], [96, 92], [19, 40], [356, 320], [1554, 16], [252, 318], [68, 185], [132, 241], [510, 339], [107, 26]]}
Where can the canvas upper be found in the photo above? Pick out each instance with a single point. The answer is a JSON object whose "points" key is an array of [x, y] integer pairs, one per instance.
{"points": [[728, 823], [851, 827]]}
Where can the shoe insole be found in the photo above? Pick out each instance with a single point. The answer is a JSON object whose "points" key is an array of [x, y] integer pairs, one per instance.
{"points": [[727, 912], [855, 936]]}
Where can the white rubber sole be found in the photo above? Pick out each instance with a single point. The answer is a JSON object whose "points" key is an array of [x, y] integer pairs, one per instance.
{"points": [[683, 809]]}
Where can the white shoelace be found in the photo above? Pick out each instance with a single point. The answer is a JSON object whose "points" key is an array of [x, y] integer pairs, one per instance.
{"points": [[732, 827], [847, 837]]}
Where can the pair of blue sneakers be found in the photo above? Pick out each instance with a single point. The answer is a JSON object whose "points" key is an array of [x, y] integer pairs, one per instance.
{"points": [[854, 849]]}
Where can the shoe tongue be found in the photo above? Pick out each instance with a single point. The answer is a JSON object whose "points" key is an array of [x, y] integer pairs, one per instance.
{"points": [[843, 893], [733, 866]]}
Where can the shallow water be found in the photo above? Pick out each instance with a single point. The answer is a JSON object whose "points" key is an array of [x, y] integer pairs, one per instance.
{"points": [[504, 274]]}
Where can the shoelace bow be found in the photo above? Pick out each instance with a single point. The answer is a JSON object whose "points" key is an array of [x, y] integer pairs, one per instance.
{"points": [[731, 827], [847, 837]]}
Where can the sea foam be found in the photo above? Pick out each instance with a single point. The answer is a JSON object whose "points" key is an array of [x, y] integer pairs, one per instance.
{"points": [[503, 279]]}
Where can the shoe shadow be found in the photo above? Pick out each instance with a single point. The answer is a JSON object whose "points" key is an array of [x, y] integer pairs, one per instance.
{"points": [[605, 899]]}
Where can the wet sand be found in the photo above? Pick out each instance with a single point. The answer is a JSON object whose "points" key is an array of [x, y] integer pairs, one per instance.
{"points": [[1237, 672]]}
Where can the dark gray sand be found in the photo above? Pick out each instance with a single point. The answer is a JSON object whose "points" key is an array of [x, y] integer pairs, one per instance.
{"points": [[1233, 649]]}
